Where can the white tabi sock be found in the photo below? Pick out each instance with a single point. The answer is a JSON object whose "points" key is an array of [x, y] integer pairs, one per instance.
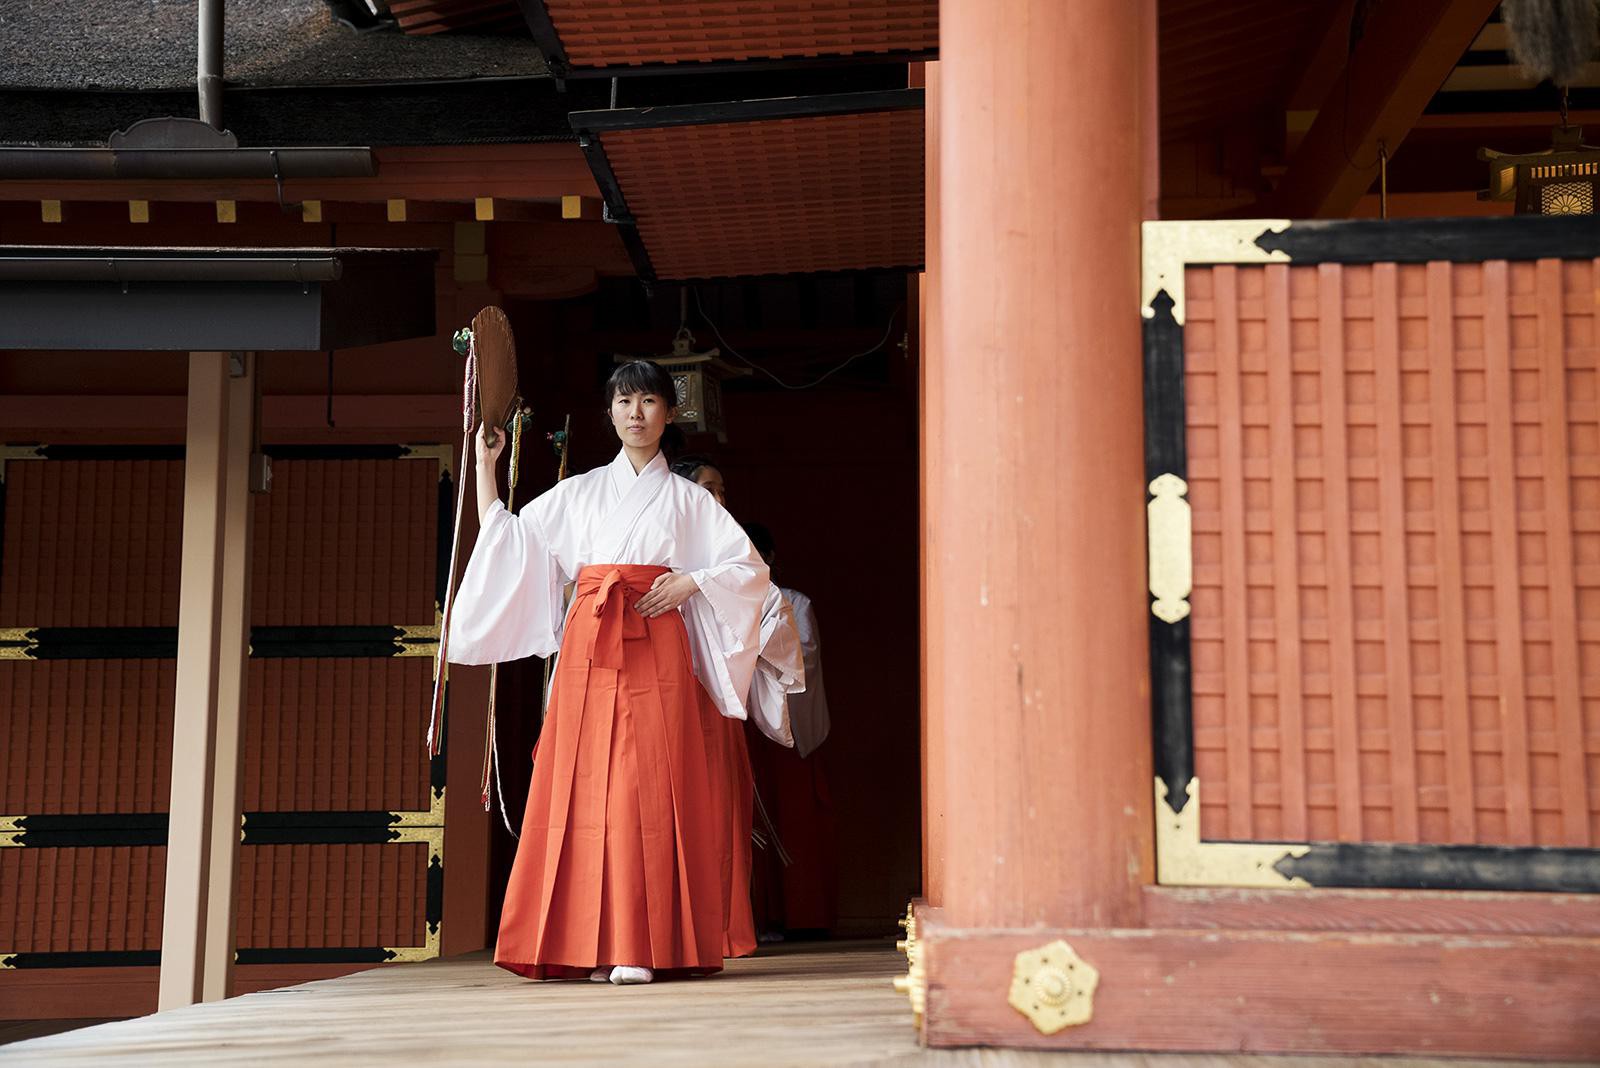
{"points": [[627, 975], [600, 975]]}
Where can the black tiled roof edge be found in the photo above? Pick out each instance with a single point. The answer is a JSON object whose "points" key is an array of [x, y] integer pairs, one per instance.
{"points": [[478, 111], [441, 113], [150, 45]]}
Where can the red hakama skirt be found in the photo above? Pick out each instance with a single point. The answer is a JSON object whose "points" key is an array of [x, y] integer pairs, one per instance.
{"points": [[740, 940], [627, 853]]}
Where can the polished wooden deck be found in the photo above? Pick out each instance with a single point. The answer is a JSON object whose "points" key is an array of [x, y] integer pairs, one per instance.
{"points": [[817, 1005]]}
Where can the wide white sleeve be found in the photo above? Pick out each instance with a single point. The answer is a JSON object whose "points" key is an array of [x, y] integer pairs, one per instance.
{"points": [[780, 669], [509, 603], [723, 620], [809, 710]]}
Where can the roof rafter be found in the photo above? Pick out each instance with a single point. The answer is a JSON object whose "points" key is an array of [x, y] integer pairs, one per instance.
{"points": [[1404, 54]]}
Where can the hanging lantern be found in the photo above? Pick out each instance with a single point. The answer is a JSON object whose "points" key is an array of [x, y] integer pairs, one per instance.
{"points": [[1563, 180]]}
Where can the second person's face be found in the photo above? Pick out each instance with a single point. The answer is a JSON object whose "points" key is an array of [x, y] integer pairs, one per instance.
{"points": [[710, 478]]}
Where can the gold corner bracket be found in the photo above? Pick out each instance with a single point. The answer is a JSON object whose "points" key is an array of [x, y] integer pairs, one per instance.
{"points": [[411, 954], [18, 452], [1168, 527], [1053, 987], [1170, 246], [444, 454], [1182, 859], [18, 643]]}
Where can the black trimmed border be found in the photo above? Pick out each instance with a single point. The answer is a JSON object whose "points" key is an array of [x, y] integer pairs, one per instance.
{"points": [[266, 643], [1166, 451], [99, 829], [1513, 237], [1329, 864]]}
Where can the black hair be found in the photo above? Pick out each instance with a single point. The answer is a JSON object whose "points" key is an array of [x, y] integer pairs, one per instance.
{"points": [[673, 442], [761, 538], [689, 466], [641, 376]]}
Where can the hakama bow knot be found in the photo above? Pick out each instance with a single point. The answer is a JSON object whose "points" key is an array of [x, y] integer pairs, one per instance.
{"points": [[615, 594]]}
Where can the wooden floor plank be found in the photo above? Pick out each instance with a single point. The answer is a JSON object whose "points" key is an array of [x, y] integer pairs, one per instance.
{"points": [[811, 1006]]}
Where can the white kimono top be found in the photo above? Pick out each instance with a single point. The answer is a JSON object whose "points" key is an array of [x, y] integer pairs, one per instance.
{"points": [[808, 710], [510, 602], [780, 669]]}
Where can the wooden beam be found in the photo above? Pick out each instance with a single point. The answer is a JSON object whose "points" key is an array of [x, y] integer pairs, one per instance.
{"points": [[1323, 61], [574, 206], [505, 209], [183, 915], [1277, 991], [232, 668], [1319, 68], [449, 172], [1405, 52]]}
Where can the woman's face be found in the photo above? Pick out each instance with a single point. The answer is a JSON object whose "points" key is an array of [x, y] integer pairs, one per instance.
{"points": [[639, 418], [711, 479]]}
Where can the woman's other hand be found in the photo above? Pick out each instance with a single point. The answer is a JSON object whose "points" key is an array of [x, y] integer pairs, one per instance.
{"points": [[489, 454], [666, 593]]}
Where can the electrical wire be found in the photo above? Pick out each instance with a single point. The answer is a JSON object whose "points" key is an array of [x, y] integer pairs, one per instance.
{"points": [[888, 332]]}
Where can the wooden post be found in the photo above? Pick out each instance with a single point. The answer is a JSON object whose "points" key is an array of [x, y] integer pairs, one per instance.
{"points": [[1041, 691], [232, 667], [930, 369], [183, 922]]}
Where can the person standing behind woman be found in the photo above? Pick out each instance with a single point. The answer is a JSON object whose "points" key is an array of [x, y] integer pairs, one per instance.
{"points": [[623, 867], [703, 473]]}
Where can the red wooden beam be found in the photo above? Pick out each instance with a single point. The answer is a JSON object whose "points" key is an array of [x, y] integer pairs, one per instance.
{"points": [[1276, 991]]}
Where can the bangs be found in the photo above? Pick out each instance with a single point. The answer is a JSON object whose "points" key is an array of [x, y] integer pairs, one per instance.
{"points": [[641, 376]]}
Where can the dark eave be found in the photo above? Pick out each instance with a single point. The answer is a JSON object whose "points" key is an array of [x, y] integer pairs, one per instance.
{"points": [[303, 299]]}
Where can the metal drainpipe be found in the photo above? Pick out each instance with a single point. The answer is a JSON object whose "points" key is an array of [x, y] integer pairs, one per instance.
{"points": [[210, 63]]}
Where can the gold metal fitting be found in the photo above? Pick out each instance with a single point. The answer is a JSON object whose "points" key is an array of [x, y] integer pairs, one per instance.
{"points": [[1053, 987], [913, 984]]}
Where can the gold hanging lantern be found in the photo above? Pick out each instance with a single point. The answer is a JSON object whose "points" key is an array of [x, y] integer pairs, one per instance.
{"points": [[1562, 180]]}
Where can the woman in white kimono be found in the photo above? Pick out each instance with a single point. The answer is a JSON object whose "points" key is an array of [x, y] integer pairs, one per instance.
{"points": [[624, 868]]}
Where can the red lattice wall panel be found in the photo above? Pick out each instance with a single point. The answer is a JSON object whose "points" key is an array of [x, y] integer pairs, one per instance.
{"points": [[86, 899], [332, 895], [336, 734], [85, 736], [346, 543], [823, 193], [1395, 477], [91, 543], [630, 33]]}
